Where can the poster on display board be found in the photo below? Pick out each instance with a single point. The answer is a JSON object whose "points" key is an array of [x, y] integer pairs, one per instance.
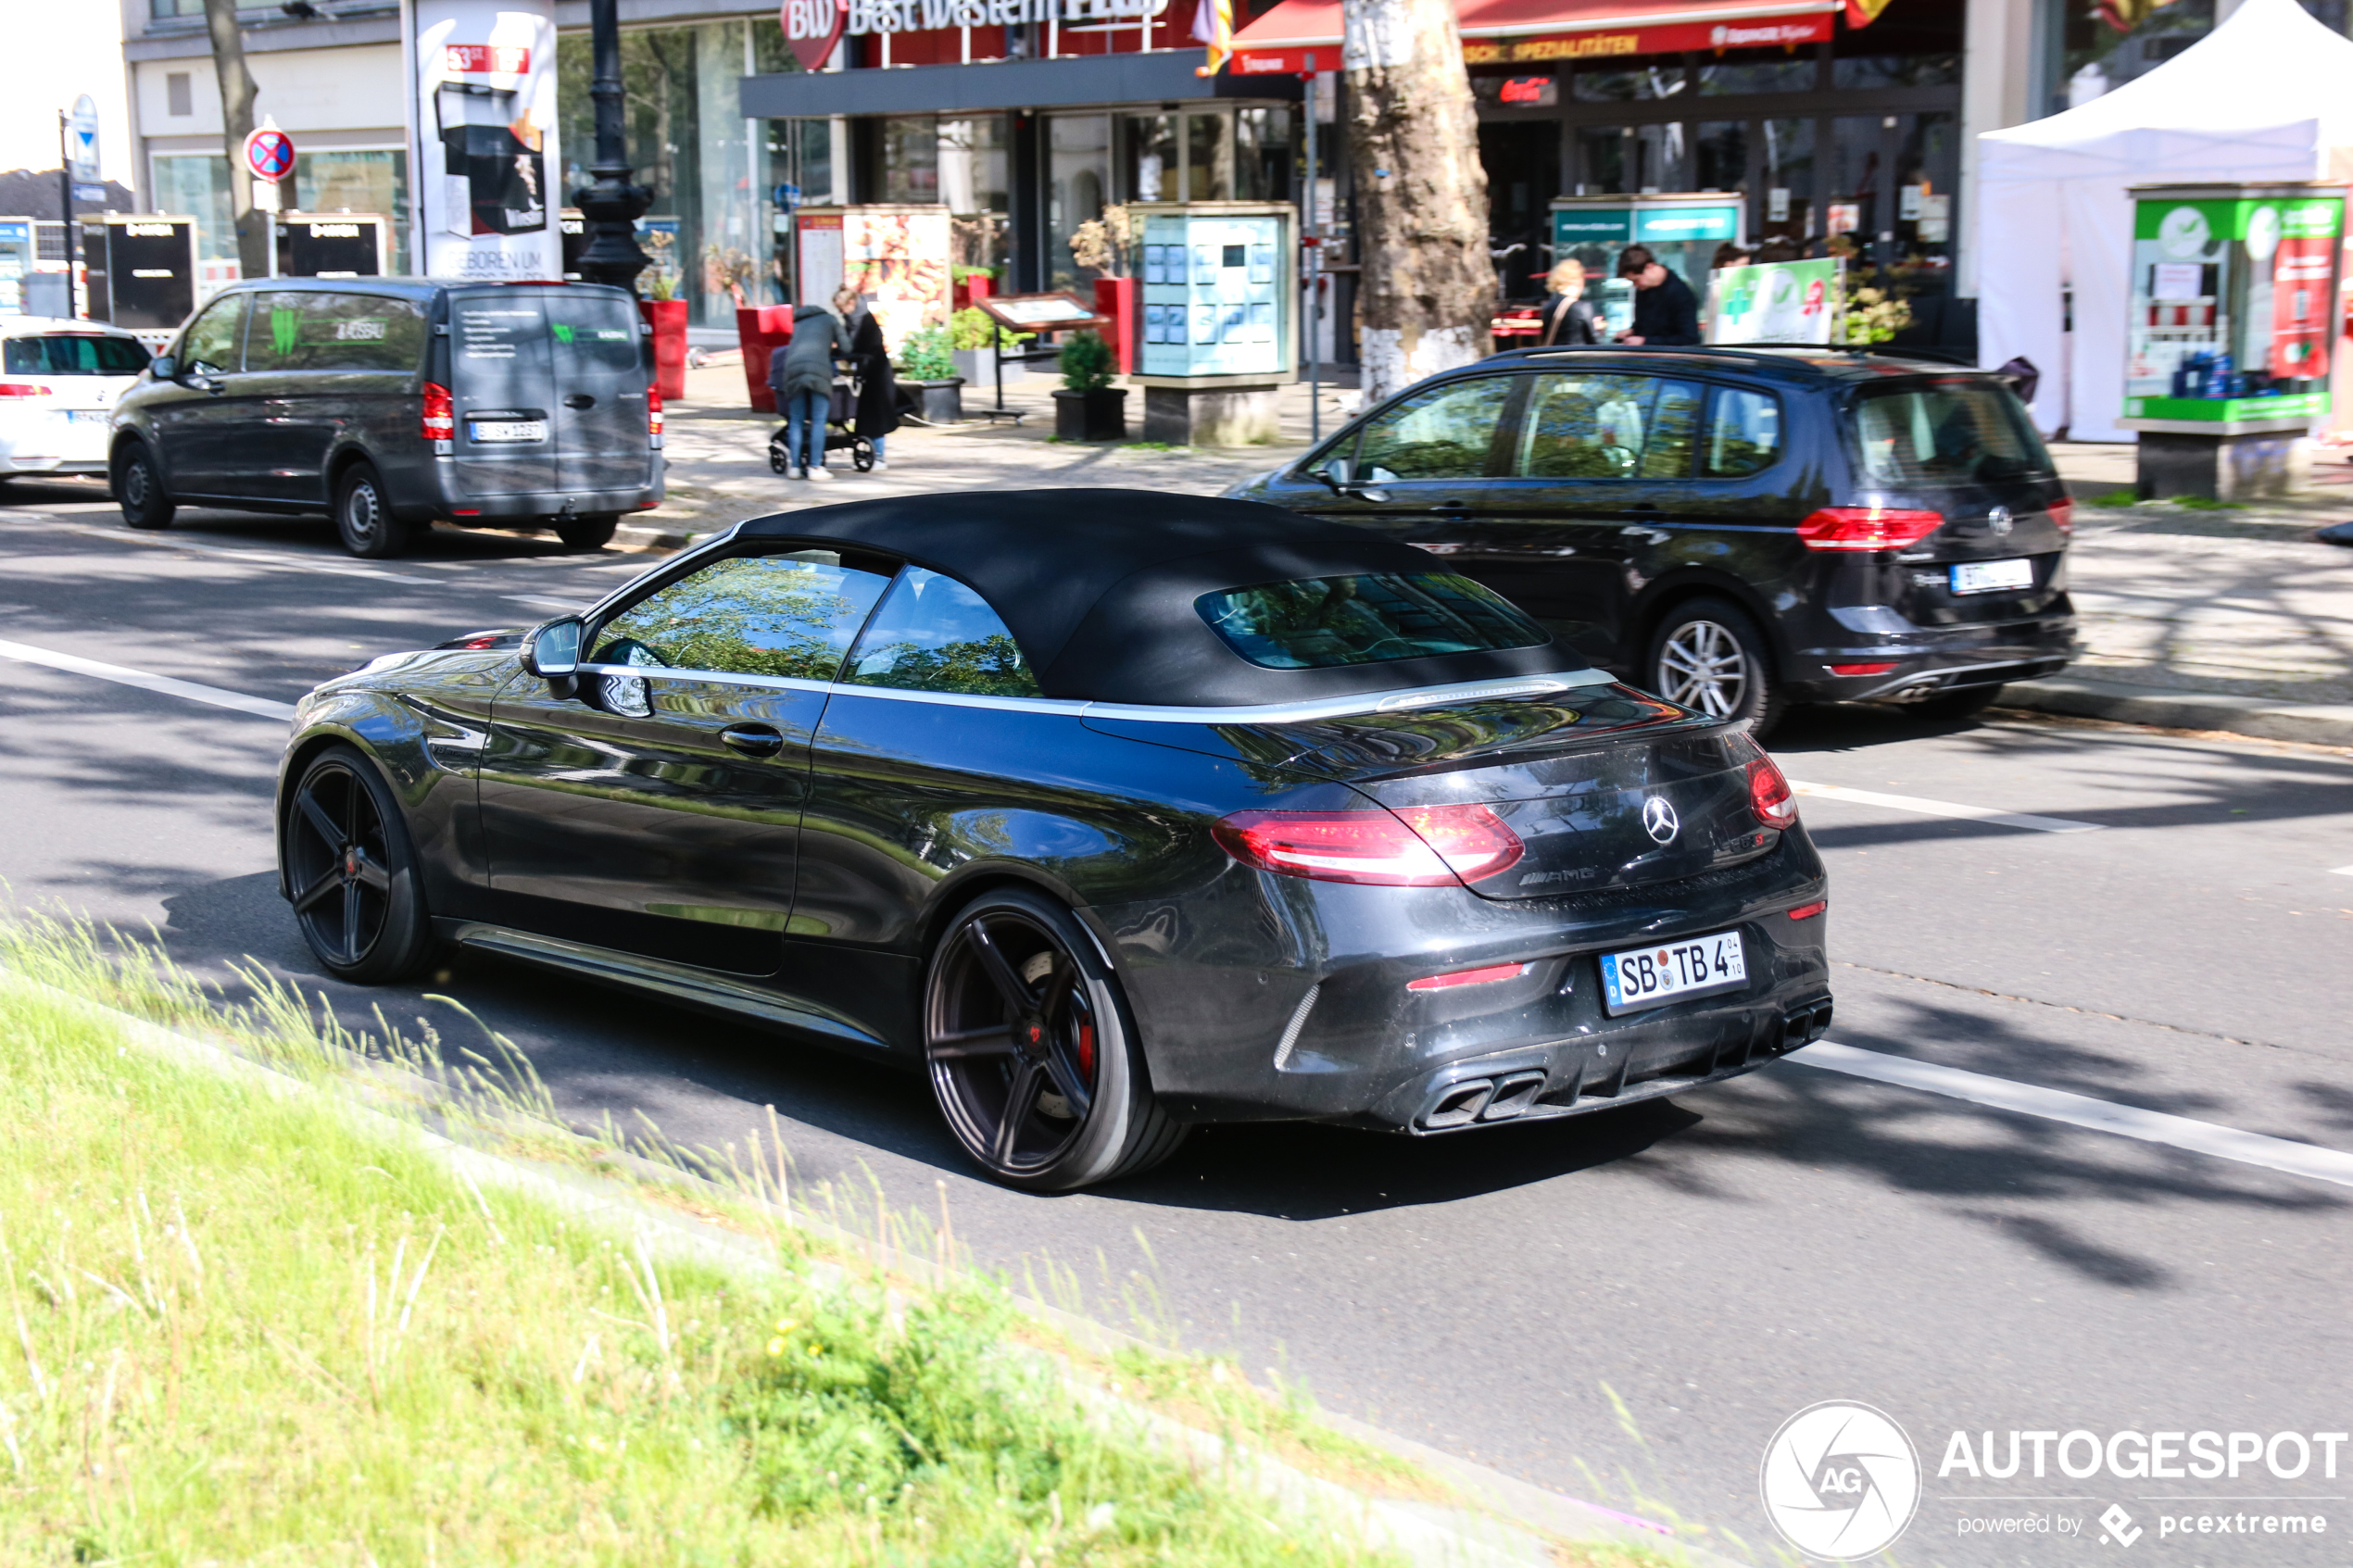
{"points": [[483, 133], [1774, 302], [896, 256]]}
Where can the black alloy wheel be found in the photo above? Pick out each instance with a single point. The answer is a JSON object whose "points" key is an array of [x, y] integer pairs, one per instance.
{"points": [[1709, 655], [587, 533], [363, 517], [352, 873], [138, 488], [1030, 1053]]}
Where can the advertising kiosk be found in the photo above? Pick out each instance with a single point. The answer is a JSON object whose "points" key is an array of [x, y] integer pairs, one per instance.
{"points": [[1220, 329], [2233, 313], [334, 245], [140, 269], [1681, 230]]}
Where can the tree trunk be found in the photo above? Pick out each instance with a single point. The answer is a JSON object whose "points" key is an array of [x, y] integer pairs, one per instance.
{"points": [[253, 228], [1427, 293]]}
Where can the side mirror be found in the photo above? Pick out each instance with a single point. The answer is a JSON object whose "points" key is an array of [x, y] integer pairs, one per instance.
{"points": [[552, 651], [164, 367]]}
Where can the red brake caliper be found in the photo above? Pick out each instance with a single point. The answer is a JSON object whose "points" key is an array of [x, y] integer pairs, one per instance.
{"points": [[1086, 1050]]}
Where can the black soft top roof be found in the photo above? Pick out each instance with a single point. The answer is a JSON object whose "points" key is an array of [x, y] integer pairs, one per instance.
{"points": [[1098, 586]]}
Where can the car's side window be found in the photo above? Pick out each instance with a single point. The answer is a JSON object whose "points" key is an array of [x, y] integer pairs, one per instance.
{"points": [[1674, 431], [1586, 427], [1743, 435], [934, 634], [210, 348], [309, 330], [782, 615], [594, 332], [1445, 432]]}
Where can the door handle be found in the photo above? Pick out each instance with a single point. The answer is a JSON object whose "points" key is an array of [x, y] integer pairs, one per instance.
{"points": [[752, 740], [580, 400], [1449, 508]]}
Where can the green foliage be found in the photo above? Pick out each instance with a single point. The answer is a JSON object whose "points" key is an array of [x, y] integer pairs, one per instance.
{"points": [[990, 666], [1087, 363], [927, 355], [759, 615], [2204, 504], [975, 328], [2118, 499], [1873, 315]]}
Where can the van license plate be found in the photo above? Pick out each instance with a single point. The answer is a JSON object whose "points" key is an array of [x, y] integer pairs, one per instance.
{"points": [[86, 415], [481, 432], [1643, 977], [1992, 576]]}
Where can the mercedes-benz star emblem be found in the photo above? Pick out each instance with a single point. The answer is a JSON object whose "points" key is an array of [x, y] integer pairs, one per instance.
{"points": [[1660, 819], [1999, 520]]}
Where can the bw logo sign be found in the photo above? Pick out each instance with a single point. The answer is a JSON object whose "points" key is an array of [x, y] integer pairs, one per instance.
{"points": [[1840, 1481]]}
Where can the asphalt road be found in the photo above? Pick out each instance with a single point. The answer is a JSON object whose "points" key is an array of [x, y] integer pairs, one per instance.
{"points": [[1623, 1306]]}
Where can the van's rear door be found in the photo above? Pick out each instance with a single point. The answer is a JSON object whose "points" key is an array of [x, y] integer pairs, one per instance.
{"points": [[502, 382], [601, 373], [1964, 446]]}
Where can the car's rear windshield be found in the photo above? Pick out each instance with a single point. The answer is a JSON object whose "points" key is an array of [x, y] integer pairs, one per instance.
{"points": [[1943, 432], [74, 354], [1319, 622]]}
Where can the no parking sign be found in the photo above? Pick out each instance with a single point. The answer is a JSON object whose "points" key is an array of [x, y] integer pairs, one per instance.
{"points": [[270, 156]]}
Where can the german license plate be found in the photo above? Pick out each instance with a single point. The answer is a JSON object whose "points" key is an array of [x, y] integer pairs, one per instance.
{"points": [[85, 416], [481, 432], [1644, 977], [1992, 576]]}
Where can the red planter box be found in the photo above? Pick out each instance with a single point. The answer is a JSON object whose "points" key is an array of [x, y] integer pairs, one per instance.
{"points": [[668, 318], [762, 330], [1115, 298], [973, 290]]}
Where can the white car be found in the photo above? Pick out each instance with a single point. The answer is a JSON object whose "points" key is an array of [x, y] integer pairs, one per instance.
{"points": [[58, 382]]}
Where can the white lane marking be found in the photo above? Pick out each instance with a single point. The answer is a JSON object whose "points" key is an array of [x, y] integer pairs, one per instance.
{"points": [[259, 706], [2082, 1111], [238, 552], [2343, 871], [1945, 809]]}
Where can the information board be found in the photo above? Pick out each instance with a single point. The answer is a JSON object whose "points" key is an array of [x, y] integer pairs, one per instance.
{"points": [[1218, 295], [338, 245], [141, 270]]}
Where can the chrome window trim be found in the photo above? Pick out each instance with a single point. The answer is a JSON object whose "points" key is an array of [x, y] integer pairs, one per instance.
{"points": [[720, 677]]}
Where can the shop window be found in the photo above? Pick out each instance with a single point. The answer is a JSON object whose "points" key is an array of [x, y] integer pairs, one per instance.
{"points": [[1896, 71], [1601, 160], [1720, 154], [1150, 157], [1261, 155], [357, 181], [1662, 78], [1850, 206], [197, 183], [910, 158], [1761, 70], [1661, 157], [1209, 157], [1077, 176], [1784, 205], [973, 161]]}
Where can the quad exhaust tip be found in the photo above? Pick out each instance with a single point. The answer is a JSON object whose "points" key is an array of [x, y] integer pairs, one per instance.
{"points": [[1484, 1099]]}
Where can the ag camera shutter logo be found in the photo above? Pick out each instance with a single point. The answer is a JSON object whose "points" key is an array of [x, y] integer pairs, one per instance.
{"points": [[1840, 1481]]}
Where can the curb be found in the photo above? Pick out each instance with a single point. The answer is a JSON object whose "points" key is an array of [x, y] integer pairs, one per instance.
{"points": [[1501, 1523], [2319, 723]]}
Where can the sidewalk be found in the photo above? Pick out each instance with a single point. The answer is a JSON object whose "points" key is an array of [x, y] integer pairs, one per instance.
{"points": [[2229, 619]]}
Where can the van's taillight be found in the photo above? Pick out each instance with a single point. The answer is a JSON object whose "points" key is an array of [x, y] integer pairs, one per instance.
{"points": [[1414, 846], [440, 421], [1867, 527], [2063, 513], [653, 415], [1770, 795], [23, 389]]}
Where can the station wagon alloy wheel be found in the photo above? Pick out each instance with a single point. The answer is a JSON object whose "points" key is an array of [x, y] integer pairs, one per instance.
{"points": [[1709, 656], [1028, 1050], [350, 872]]}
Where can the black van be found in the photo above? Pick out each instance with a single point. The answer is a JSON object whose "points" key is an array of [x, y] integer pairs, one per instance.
{"points": [[1734, 529], [389, 402]]}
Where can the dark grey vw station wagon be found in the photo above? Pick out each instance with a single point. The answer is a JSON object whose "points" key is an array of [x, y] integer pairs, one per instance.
{"points": [[390, 402]]}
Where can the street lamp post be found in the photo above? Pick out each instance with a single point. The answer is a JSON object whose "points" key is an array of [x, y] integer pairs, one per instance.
{"points": [[612, 205]]}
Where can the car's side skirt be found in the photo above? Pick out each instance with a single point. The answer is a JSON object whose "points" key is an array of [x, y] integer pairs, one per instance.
{"points": [[697, 987]]}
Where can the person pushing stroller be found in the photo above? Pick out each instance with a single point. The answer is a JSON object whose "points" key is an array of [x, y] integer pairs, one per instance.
{"points": [[802, 375]]}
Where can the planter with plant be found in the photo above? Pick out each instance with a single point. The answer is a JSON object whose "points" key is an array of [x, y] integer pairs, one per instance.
{"points": [[977, 341], [928, 365], [1086, 407], [666, 314]]}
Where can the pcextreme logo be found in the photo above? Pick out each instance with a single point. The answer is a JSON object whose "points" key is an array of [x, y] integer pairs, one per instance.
{"points": [[1839, 1480]]}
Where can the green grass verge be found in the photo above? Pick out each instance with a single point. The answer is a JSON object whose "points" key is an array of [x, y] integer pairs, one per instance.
{"points": [[2118, 499], [243, 1326]]}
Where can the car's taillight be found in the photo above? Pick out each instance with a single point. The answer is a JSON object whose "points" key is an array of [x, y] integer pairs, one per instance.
{"points": [[439, 421], [1876, 667], [1808, 912], [1414, 846], [1770, 795], [1867, 527], [1485, 976], [23, 389], [2063, 513], [653, 413]]}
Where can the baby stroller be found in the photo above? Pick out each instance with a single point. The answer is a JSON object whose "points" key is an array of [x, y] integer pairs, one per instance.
{"points": [[839, 436]]}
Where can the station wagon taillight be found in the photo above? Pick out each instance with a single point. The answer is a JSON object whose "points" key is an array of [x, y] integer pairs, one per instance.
{"points": [[23, 389], [1867, 527], [440, 421], [1412, 846]]}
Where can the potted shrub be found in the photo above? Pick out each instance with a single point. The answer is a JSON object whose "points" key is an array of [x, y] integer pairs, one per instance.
{"points": [[928, 364], [1086, 407], [666, 314], [978, 340]]}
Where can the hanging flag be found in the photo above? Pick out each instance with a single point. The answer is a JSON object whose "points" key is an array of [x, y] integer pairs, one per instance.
{"points": [[1862, 13], [1213, 25]]}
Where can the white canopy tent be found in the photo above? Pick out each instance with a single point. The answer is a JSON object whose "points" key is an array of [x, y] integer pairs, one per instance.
{"points": [[2266, 95]]}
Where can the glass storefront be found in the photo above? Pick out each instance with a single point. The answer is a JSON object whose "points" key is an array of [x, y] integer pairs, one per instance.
{"points": [[340, 179]]}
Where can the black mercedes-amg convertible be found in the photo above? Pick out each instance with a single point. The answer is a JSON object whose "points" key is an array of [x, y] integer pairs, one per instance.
{"points": [[1115, 813]]}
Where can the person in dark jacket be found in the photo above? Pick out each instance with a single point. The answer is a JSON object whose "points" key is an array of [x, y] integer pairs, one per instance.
{"points": [[802, 375], [1665, 311], [1568, 317], [877, 413]]}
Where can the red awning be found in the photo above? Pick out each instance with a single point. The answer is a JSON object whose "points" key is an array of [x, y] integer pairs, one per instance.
{"points": [[1302, 35]]}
